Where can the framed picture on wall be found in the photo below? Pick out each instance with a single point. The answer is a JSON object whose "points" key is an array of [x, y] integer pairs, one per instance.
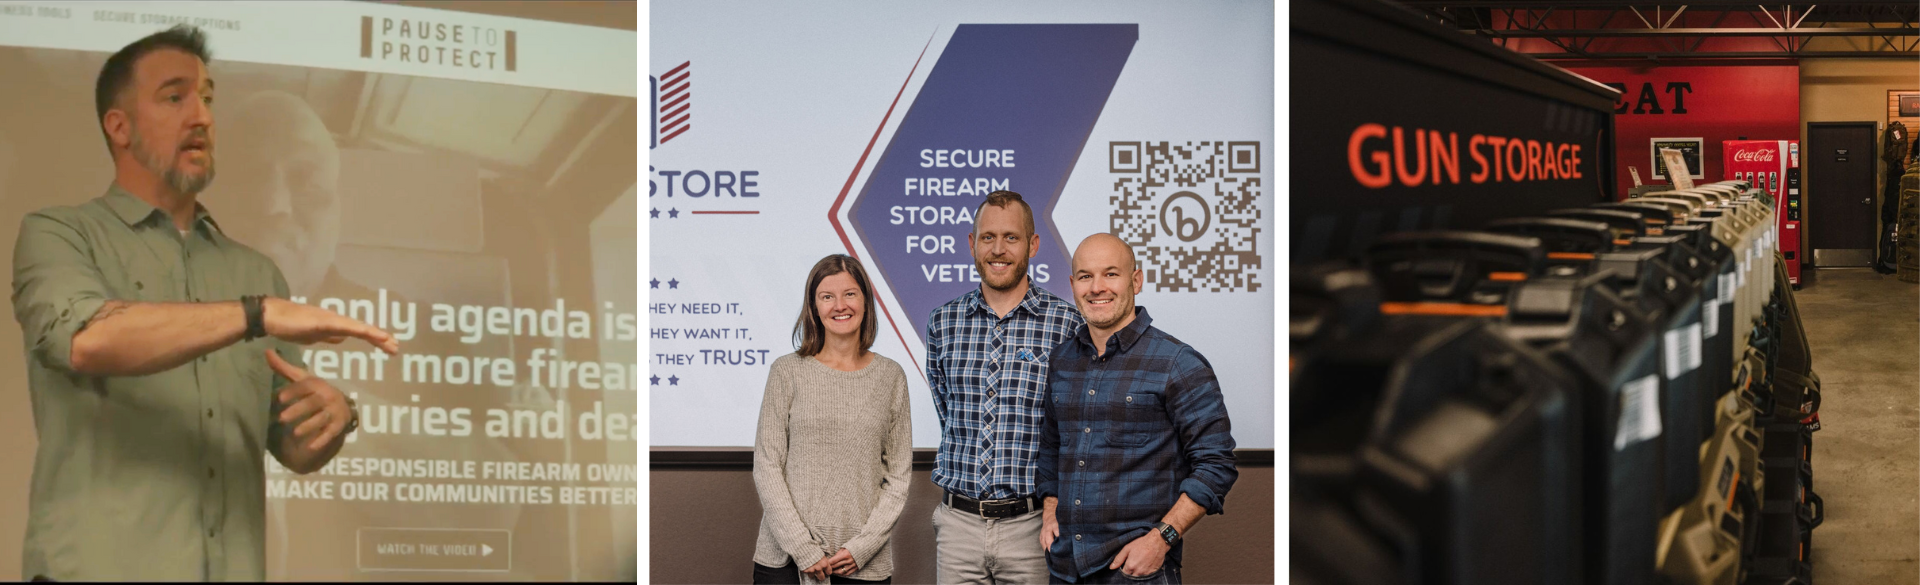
{"points": [[1909, 103], [1689, 148]]}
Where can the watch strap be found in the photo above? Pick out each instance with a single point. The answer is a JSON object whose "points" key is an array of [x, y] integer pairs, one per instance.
{"points": [[256, 310], [1167, 532]]}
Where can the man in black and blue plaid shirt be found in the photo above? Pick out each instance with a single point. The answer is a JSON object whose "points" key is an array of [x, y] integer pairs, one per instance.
{"points": [[1137, 445], [987, 361]]}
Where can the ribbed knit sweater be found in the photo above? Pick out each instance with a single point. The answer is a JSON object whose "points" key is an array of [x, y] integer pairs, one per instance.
{"points": [[831, 461]]}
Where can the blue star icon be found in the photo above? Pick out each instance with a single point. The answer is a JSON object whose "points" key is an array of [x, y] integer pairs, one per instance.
{"points": [[673, 213], [655, 282], [673, 381], [673, 284], [656, 213], [656, 380]]}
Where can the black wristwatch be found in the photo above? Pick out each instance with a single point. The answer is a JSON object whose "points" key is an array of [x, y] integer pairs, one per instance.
{"points": [[1167, 533], [256, 308], [353, 422]]}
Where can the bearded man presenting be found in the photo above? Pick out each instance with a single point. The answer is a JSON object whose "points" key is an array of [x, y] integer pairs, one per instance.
{"points": [[161, 355]]}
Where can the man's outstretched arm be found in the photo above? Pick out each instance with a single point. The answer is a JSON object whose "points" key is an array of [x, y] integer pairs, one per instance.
{"points": [[74, 323]]}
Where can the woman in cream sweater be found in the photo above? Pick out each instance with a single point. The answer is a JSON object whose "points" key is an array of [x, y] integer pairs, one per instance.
{"points": [[834, 450]]}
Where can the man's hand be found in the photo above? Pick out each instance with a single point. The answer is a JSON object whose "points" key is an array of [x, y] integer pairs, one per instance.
{"points": [[1141, 557], [1049, 525], [324, 407], [842, 563], [307, 324]]}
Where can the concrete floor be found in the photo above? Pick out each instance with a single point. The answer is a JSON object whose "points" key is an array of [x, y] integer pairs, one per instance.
{"points": [[1864, 329]]}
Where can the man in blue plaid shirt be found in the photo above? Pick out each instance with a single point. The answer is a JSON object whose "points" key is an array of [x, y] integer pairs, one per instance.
{"points": [[1137, 445], [987, 364]]}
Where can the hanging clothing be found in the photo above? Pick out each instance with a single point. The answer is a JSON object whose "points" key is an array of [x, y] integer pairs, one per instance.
{"points": [[1894, 152]]}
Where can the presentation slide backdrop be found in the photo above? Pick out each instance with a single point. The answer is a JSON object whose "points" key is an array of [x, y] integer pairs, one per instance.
{"points": [[877, 129], [481, 207]]}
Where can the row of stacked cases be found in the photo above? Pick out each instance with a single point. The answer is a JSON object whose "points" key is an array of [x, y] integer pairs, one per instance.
{"points": [[1615, 395]]}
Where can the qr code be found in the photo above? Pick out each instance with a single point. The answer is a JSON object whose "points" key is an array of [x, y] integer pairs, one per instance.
{"points": [[1189, 210]]}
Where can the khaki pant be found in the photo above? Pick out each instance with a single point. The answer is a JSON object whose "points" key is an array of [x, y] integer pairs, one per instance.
{"points": [[972, 549]]}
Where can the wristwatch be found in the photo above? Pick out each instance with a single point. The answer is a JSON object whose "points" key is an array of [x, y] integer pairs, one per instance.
{"points": [[1167, 533], [256, 309], [353, 423]]}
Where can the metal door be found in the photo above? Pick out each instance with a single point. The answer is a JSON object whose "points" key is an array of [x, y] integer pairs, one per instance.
{"points": [[1840, 160]]}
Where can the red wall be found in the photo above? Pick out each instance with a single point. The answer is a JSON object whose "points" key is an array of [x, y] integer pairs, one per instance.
{"points": [[1715, 103]]}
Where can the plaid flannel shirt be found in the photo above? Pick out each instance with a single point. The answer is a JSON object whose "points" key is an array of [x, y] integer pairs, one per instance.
{"points": [[1128, 431], [988, 375]]}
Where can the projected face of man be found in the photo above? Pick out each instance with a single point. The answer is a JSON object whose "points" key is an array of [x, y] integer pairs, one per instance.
{"points": [[1002, 244], [283, 172], [170, 119]]}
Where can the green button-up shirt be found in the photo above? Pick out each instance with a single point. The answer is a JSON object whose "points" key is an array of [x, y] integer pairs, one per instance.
{"points": [[156, 477]]}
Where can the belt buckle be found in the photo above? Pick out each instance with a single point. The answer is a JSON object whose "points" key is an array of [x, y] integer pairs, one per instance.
{"points": [[993, 508], [1001, 508]]}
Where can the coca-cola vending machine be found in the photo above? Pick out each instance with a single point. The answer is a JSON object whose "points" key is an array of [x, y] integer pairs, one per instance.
{"points": [[1773, 165]]}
